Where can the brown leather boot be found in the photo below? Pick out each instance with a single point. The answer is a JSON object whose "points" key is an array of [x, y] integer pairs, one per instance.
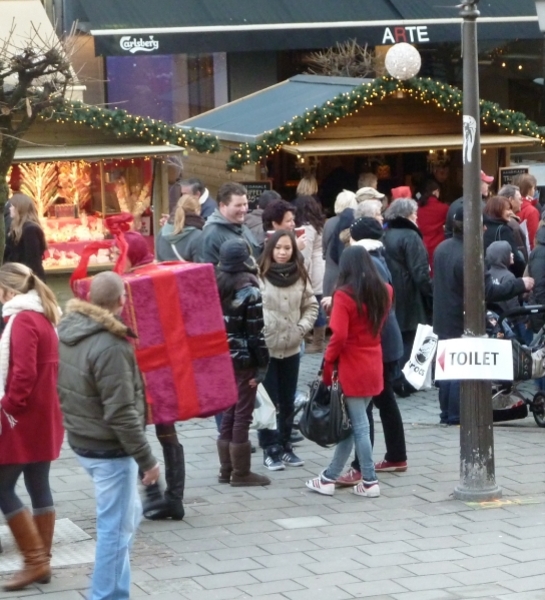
{"points": [[318, 341], [241, 459], [36, 562], [226, 468], [45, 523]]}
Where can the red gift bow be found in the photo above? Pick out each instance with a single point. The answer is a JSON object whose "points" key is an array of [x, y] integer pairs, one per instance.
{"points": [[117, 225]]}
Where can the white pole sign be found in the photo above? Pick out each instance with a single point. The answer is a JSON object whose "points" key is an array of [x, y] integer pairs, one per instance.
{"points": [[474, 358]]}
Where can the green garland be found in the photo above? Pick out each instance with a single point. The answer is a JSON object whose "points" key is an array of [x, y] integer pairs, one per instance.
{"points": [[443, 95], [123, 124]]}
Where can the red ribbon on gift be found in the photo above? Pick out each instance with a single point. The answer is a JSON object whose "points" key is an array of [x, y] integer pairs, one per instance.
{"points": [[117, 225], [179, 350]]}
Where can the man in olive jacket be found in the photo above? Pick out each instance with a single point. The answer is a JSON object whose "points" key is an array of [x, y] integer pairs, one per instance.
{"points": [[102, 400]]}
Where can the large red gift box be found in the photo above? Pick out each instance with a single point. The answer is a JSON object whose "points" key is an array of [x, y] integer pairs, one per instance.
{"points": [[181, 344]]}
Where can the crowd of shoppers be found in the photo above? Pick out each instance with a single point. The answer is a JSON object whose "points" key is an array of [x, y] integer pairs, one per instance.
{"points": [[370, 274]]}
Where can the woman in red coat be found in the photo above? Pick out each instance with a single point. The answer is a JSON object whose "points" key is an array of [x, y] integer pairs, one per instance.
{"points": [[360, 306], [432, 216], [31, 431]]}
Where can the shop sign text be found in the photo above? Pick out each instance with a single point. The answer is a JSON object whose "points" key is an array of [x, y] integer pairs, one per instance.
{"points": [[133, 44], [412, 35]]}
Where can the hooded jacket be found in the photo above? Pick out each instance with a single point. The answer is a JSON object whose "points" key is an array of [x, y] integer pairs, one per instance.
{"points": [[217, 230], [408, 263], [497, 230], [448, 291], [100, 386], [498, 260], [244, 325], [187, 243]]}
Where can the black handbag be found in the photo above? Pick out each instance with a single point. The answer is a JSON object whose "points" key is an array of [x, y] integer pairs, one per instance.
{"points": [[325, 419]]}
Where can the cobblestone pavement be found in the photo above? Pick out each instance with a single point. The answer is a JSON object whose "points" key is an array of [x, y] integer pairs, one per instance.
{"points": [[283, 542]]}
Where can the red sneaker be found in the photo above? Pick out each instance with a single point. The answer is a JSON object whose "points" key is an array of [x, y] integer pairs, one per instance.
{"points": [[350, 478], [387, 466]]}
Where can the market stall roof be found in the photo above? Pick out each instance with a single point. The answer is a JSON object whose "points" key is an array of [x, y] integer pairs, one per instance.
{"points": [[247, 119], [393, 144], [179, 26], [91, 153], [24, 20]]}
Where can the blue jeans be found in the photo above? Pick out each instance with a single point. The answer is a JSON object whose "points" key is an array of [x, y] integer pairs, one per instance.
{"points": [[449, 402], [357, 411], [118, 513]]}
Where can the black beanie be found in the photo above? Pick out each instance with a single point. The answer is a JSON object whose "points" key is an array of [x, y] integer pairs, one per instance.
{"points": [[235, 256], [366, 228]]}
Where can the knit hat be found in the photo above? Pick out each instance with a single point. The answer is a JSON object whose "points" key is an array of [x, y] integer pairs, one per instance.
{"points": [[368, 193], [138, 251], [235, 256], [403, 191], [486, 178], [366, 228]]}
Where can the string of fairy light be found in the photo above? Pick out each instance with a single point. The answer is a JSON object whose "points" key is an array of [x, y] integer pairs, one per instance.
{"points": [[125, 125], [426, 90]]}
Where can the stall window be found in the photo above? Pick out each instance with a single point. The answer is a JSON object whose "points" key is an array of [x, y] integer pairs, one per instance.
{"points": [[171, 87]]}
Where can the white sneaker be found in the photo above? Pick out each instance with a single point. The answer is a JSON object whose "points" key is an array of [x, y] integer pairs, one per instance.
{"points": [[367, 489], [320, 484]]}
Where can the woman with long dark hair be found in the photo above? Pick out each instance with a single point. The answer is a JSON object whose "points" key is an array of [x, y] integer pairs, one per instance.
{"points": [[25, 241], [360, 306], [242, 307], [31, 430], [308, 214], [496, 215], [290, 309]]}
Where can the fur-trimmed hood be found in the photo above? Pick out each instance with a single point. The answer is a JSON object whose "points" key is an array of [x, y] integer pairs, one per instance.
{"points": [[83, 319]]}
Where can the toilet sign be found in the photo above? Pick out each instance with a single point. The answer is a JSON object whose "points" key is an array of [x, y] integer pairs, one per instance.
{"points": [[474, 358]]}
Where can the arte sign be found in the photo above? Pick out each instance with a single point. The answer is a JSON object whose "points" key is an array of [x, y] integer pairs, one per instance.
{"points": [[474, 358], [411, 35], [133, 44]]}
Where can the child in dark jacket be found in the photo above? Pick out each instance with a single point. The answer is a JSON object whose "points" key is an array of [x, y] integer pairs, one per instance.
{"points": [[243, 315]]}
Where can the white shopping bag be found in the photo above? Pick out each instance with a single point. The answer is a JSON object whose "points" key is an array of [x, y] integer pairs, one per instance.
{"points": [[264, 416], [418, 369]]}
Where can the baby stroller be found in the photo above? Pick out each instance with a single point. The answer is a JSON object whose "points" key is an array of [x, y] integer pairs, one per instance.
{"points": [[509, 402]]}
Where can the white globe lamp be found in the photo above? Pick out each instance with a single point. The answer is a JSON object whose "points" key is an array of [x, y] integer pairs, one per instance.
{"points": [[403, 61]]}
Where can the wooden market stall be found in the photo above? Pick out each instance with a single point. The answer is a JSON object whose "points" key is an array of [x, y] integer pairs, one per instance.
{"points": [[402, 131], [84, 163]]}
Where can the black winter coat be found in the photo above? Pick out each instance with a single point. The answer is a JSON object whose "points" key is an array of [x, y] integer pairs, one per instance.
{"points": [[448, 289], [29, 250], [536, 269], [244, 326], [390, 336], [498, 230], [407, 260]]}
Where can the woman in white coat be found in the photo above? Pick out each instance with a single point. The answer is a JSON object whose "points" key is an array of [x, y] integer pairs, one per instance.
{"points": [[289, 309]]}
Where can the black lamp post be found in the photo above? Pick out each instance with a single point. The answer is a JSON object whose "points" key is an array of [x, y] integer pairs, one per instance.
{"points": [[477, 473]]}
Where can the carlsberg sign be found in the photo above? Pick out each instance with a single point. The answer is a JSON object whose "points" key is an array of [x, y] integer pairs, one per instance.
{"points": [[132, 44]]}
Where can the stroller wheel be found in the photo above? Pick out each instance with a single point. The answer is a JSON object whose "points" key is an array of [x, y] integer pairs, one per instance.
{"points": [[538, 408]]}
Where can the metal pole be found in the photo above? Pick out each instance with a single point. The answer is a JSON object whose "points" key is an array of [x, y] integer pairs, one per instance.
{"points": [[477, 477]]}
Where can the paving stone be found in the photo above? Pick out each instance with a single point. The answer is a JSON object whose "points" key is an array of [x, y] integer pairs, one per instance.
{"points": [[425, 582], [376, 588], [484, 591], [280, 573], [331, 593], [425, 595], [491, 575], [301, 522], [209, 582], [281, 586]]}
